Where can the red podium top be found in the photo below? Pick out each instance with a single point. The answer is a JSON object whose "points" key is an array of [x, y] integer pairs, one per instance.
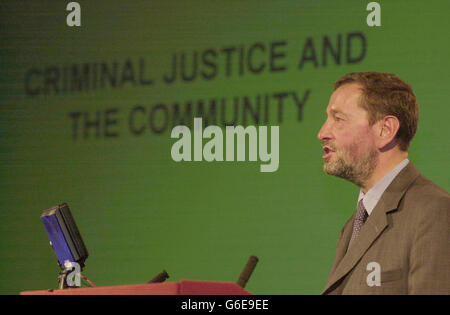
{"points": [[184, 287]]}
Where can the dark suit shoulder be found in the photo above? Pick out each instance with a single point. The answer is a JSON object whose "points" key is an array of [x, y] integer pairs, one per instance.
{"points": [[425, 198], [425, 210], [427, 190]]}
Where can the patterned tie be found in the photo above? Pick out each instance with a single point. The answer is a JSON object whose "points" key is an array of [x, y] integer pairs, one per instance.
{"points": [[360, 218]]}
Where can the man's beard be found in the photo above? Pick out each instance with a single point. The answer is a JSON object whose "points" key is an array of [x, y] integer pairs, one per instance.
{"points": [[355, 170]]}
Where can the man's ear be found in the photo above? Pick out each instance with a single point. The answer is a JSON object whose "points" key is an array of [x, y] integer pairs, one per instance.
{"points": [[387, 129]]}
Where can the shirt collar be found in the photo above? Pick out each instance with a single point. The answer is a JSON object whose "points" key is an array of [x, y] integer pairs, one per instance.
{"points": [[370, 199]]}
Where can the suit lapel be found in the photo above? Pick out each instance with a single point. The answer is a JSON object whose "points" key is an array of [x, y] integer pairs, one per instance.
{"points": [[342, 245], [374, 226]]}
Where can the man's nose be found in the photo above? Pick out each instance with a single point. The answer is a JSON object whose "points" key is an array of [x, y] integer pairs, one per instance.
{"points": [[324, 132]]}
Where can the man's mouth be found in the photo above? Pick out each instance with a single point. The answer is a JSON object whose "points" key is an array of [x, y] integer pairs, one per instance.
{"points": [[327, 152]]}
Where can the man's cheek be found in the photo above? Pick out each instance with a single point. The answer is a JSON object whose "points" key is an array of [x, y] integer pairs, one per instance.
{"points": [[348, 153]]}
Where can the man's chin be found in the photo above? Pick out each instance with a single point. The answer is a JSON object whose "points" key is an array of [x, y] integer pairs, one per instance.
{"points": [[356, 173], [329, 168], [328, 162], [335, 168]]}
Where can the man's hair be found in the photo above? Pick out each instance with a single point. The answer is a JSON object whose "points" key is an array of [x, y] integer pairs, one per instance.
{"points": [[387, 94]]}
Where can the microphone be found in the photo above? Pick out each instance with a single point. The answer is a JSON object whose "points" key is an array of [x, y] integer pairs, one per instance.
{"points": [[247, 272], [161, 277]]}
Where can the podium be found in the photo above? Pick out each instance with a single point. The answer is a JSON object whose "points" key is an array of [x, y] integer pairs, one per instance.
{"points": [[183, 287]]}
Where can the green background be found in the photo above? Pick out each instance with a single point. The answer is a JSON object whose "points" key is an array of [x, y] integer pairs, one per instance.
{"points": [[140, 212]]}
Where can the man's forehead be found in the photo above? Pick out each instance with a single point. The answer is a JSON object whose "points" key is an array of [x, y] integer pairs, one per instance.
{"points": [[345, 99], [335, 110]]}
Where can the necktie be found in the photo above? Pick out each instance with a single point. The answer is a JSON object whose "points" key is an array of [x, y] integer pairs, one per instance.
{"points": [[360, 218]]}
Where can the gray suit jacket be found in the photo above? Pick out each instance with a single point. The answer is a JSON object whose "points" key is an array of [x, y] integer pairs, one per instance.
{"points": [[407, 234]]}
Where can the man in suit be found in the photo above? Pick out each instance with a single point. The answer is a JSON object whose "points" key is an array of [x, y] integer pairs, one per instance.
{"points": [[398, 241]]}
